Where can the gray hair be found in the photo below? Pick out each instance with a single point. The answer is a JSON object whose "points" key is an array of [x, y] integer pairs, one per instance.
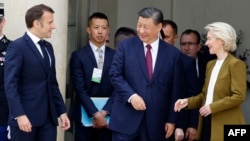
{"points": [[225, 32], [151, 12]]}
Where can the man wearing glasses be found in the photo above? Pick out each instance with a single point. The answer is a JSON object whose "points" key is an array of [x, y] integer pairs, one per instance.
{"points": [[190, 45]]}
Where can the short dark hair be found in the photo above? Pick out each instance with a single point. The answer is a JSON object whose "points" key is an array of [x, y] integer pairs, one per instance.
{"points": [[196, 33], [172, 24], [151, 12], [125, 31], [97, 15], [35, 13]]}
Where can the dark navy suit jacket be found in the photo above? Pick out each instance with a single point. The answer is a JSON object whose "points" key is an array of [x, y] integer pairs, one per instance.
{"points": [[189, 118], [82, 63], [129, 75], [30, 90]]}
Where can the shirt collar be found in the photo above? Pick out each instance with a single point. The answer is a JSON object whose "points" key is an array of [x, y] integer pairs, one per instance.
{"points": [[33, 37], [94, 47], [153, 45]]}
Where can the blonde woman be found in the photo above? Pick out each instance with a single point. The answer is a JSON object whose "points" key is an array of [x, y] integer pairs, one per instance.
{"points": [[225, 86]]}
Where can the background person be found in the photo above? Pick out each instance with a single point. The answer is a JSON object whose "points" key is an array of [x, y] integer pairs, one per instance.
{"points": [[190, 44], [169, 31], [83, 65], [123, 33]]}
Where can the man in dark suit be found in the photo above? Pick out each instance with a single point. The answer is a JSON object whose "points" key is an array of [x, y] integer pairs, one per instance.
{"points": [[34, 99], [147, 75], [85, 64], [187, 119], [190, 44]]}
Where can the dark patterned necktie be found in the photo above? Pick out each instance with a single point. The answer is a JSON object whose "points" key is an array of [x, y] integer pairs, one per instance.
{"points": [[149, 62], [45, 55]]}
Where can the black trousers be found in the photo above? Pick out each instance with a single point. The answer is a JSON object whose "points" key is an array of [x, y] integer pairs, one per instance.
{"points": [[91, 134], [45, 132], [206, 129]]}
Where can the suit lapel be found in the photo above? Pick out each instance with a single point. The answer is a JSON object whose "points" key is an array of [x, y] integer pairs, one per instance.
{"points": [[35, 51], [141, 58], [159, 60], [91, 56], [222, 70]]}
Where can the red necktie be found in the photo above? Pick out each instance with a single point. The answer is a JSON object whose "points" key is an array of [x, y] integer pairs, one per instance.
{"points": [[149, 62]]}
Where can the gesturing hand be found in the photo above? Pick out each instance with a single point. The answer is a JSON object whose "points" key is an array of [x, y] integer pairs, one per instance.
{"points": [[180, 104]]}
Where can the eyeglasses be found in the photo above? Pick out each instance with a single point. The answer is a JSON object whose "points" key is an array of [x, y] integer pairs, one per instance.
{"points": [[188, 43]]}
